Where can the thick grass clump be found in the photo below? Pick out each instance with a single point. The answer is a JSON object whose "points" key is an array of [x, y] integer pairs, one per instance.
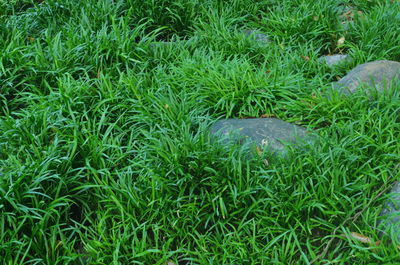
{"points": [[105, 155]]}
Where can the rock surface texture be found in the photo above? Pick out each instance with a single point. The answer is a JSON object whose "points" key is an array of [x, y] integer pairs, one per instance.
{"points": [[335, 59], [270, 133], [390, 215], [162, 45], [257, 35], [378, 74]]}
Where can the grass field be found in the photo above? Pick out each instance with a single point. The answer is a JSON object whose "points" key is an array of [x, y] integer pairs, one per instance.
{"points": [[105, 156]]}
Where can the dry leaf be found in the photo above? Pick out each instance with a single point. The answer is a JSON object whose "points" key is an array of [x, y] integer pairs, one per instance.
{"points": [[259, 151], [341, 41], [315, 18], [313, 95], [363, 239], [166, 106], [171, 263], [31, 39], [98, 73], [267, 115], [306, 58], [348, 15]]}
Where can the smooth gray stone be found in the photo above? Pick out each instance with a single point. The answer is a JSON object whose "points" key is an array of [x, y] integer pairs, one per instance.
{"points": [[335, 59], [269, 133], [390, 214], [257, 35], [378, 74]]}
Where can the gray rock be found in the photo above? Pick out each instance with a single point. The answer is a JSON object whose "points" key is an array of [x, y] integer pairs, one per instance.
{"points": [[378, 74], [390, 214], [335, 59], [269, 133], [257, 35]]}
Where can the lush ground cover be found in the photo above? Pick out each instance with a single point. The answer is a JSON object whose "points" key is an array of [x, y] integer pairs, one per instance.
{"points": [[105, 156]]}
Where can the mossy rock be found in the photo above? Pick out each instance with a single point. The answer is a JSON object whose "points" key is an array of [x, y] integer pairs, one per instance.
{"points": [[377, 74], [266, 133], [256, 35], [335, 59], [390, 214]]}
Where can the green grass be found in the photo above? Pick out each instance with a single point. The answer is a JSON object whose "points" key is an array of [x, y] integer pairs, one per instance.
{"points": [[105, 156]]}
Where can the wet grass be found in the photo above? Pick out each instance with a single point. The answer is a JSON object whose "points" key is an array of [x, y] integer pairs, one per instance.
{"points": [[105, 156]]}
